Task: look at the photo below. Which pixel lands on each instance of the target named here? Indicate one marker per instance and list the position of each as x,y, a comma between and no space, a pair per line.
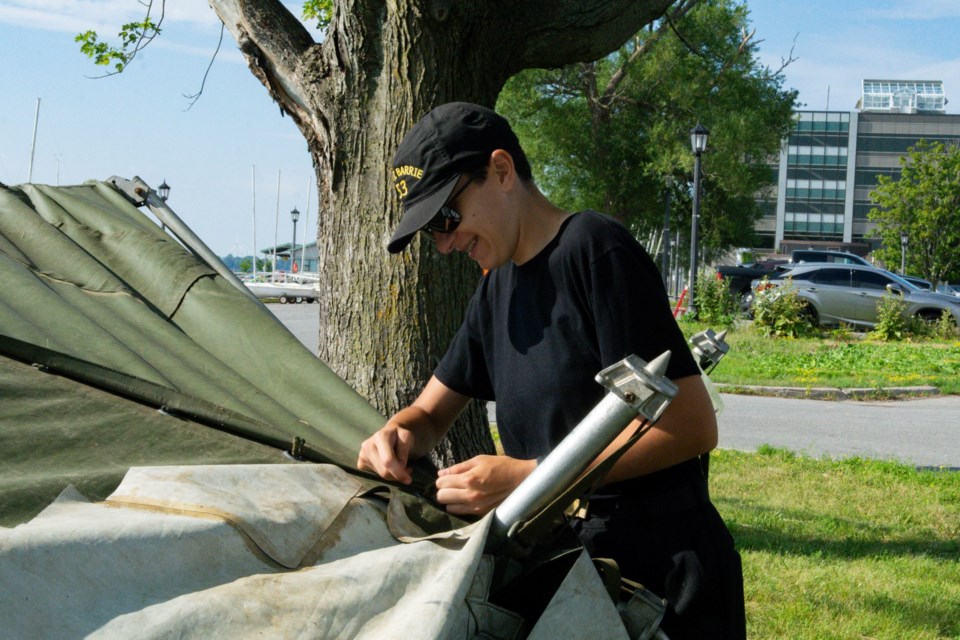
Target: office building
830,163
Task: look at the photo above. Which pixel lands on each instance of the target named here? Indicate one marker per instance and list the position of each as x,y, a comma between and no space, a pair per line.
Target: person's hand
478,485
387,453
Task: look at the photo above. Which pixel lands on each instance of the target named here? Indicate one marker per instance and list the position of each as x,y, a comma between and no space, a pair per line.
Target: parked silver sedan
849,293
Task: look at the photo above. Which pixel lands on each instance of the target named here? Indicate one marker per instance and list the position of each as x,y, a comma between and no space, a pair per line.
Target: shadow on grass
802,533
763,529
917,613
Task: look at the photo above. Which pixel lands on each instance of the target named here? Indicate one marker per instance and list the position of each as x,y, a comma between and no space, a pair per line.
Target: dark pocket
684,582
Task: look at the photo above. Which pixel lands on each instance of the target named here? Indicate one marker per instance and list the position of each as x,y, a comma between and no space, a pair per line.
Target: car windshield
905,283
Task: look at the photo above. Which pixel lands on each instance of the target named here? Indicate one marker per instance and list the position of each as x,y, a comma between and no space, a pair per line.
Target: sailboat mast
306,220
253,187
276,230
33,145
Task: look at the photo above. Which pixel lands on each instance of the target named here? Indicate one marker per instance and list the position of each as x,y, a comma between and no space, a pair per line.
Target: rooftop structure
903,96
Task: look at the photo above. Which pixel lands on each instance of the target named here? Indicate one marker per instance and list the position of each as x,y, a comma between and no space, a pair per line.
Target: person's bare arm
412,432
687,428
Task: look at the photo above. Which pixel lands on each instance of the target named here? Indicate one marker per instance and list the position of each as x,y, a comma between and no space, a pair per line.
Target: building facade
830,163
305,254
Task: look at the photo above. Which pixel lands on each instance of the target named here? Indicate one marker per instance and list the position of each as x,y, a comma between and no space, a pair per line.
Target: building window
813,224
829,156
822,121
816,189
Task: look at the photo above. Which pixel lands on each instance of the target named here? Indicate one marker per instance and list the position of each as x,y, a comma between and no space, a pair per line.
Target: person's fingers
459,468
386,453
461,501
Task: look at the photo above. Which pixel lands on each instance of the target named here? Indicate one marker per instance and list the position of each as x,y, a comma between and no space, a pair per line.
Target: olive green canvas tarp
92,289
146,411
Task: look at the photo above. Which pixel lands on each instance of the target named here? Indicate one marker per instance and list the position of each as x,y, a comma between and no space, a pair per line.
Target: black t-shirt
535,335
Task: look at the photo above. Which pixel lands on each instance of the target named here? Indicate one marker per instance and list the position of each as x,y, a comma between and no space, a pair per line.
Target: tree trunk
386,320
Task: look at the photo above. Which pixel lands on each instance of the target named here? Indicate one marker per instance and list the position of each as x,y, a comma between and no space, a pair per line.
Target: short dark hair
520,162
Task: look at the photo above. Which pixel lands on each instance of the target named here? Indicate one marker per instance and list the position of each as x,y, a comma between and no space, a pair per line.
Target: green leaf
319,10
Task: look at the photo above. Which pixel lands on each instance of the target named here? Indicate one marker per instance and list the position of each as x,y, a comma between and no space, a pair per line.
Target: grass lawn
840,360
842,549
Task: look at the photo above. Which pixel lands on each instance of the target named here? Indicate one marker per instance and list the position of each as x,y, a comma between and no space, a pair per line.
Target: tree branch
784,62
680,37
142,32
677,13
744,41
273,41
196,96
555,33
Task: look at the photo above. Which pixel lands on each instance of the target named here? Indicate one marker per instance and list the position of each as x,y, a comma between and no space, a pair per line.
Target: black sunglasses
447,218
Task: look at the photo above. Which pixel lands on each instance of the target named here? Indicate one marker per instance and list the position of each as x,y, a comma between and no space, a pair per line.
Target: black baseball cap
447,141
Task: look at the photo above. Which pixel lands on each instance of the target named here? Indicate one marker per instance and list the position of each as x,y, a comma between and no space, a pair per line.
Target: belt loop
579,509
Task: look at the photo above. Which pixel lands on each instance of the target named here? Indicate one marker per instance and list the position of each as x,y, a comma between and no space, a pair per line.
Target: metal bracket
641,385
709,347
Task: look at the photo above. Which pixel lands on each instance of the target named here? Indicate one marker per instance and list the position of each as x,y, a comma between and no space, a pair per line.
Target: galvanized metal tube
565,463
140,192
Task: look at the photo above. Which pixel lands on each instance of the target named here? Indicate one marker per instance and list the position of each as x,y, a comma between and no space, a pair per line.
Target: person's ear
502,169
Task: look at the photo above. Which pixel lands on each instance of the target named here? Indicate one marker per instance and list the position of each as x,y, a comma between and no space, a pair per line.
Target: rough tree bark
386,320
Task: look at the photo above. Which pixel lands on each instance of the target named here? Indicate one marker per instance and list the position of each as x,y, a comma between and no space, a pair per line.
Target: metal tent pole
140,193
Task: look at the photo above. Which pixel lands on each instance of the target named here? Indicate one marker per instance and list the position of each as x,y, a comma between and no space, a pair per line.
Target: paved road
303,321
924,432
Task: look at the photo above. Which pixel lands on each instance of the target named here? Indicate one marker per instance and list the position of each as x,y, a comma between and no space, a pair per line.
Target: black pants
675,543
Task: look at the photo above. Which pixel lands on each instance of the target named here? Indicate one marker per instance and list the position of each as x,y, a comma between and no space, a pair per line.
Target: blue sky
137,123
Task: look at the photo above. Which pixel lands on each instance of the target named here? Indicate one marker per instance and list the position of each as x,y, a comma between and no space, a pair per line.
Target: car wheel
931,316
810,313
284,299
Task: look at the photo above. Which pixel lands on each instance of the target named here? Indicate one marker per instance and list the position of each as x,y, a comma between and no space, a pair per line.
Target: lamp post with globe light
698,142
294,215
164,192
904,239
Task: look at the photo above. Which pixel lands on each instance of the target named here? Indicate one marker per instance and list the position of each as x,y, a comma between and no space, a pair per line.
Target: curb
832,393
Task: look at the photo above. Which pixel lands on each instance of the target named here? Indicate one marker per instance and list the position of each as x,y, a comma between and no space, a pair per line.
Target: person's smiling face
487,231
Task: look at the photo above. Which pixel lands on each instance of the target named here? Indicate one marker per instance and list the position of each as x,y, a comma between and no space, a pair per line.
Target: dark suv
817,255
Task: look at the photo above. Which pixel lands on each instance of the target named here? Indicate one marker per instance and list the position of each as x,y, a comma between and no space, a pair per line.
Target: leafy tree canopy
925,203
607,134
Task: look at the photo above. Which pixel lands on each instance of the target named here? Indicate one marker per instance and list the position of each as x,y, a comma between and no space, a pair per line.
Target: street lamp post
665,242
904,238
698,142
294,215
164,192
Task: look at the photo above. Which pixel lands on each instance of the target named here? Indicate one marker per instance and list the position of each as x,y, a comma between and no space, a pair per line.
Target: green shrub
893,323
892,320
945,328
716,305
779,311
842,333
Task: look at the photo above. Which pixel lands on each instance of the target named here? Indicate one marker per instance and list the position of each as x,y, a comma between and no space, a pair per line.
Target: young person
565,295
